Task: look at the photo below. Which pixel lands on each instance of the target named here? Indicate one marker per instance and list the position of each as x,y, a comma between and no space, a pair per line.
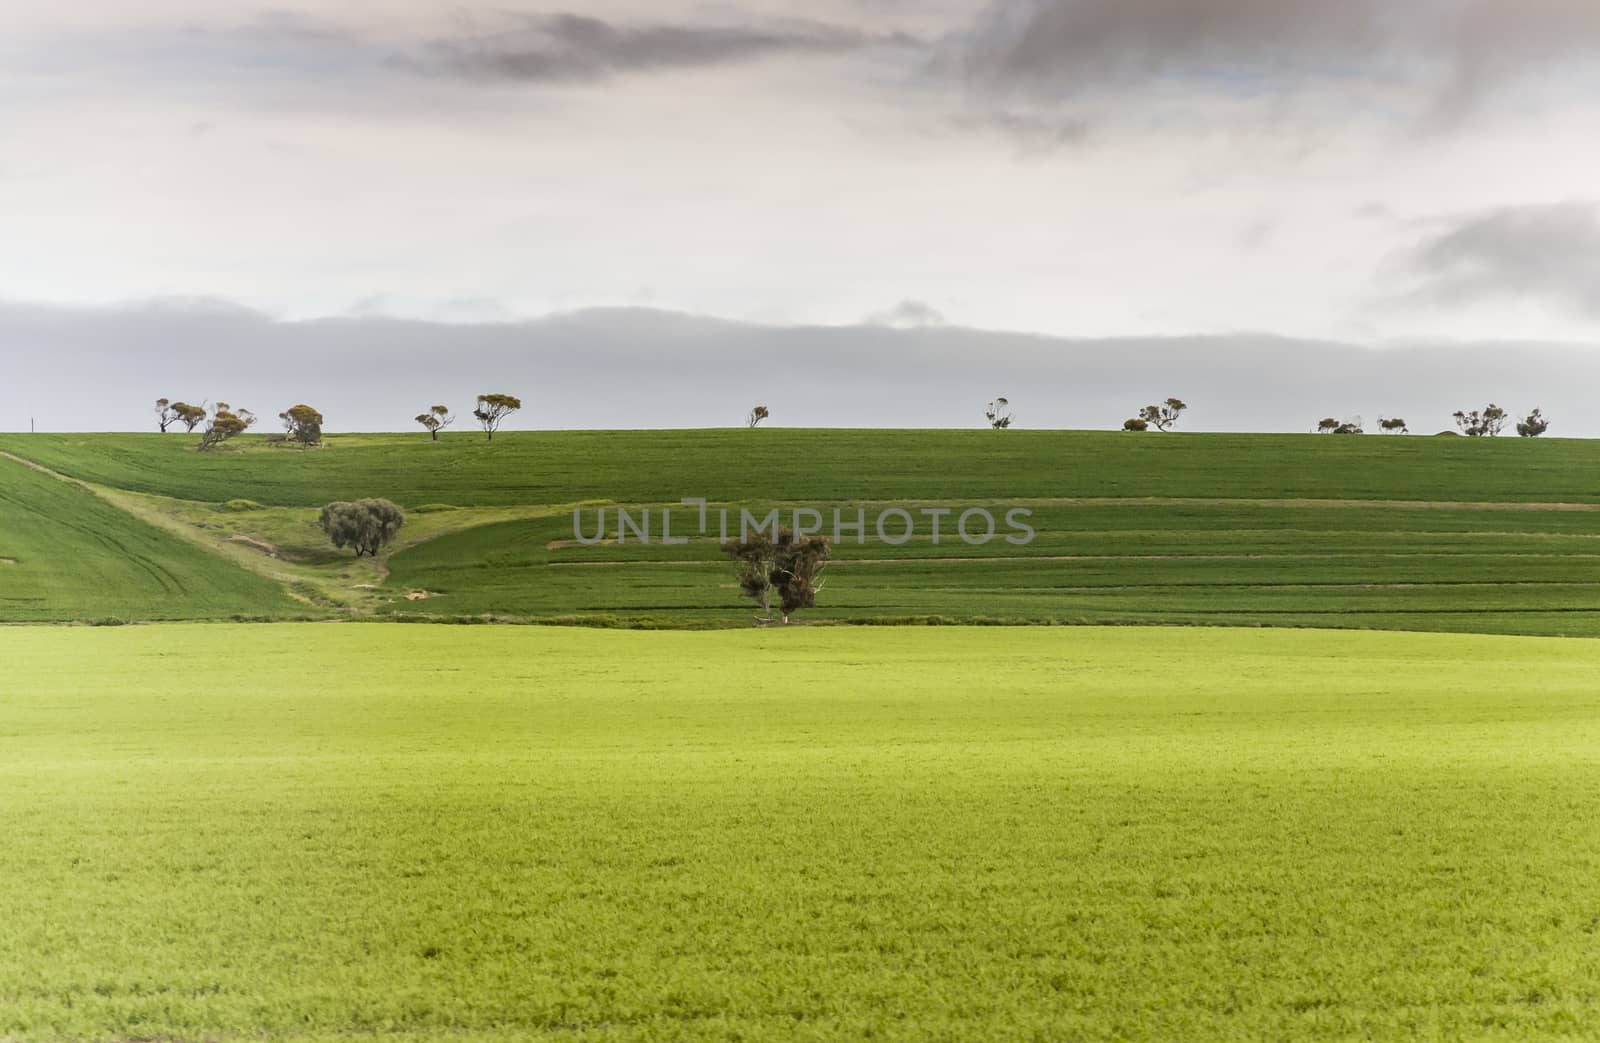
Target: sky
1335,178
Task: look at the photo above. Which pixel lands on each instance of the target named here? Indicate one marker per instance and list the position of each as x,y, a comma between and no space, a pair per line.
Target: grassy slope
778,464
1431,569
67,555
511,833
1376,551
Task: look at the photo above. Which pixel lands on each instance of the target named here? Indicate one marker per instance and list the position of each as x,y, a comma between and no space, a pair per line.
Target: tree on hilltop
1481,423
758,414
366,526
493,409
999,414
1534,425
1393,426
302,424
189,416
1162,417
436,419
1136,424
225,424
166,416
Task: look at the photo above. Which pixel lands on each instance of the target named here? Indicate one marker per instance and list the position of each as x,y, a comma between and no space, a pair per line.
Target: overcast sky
1361,171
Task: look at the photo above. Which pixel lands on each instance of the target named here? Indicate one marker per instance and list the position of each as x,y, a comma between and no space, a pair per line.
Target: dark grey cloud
688,371
1549,254
1440,55
576,48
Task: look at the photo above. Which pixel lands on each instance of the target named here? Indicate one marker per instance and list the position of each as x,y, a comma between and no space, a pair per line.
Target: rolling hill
1393,533
66,554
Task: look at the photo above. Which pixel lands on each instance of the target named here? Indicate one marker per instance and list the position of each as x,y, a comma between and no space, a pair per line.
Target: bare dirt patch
8,561
269,549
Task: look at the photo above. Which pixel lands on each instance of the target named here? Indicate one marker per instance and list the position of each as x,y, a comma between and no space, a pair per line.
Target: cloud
1440,56
1548,253
1033,134
1257,233
909,314
691,371
574,48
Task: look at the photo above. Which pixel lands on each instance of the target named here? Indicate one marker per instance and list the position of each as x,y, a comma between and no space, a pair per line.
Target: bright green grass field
319,832
66,554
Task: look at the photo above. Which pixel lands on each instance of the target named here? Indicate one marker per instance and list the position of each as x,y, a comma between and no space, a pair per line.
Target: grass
70,555
1356,565
313,832
1469,535
742,466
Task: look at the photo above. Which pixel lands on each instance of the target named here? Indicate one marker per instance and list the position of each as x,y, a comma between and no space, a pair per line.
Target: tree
1484,423
366,526
303,424
1393,426
166,416
999,414
492,409
189,416
1330,426
1534,426
1136,424
1164,415
225,424
787,567
758,414
436,419
1327,425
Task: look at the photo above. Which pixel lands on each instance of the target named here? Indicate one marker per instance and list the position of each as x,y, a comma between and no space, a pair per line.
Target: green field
66,554
312,832
304,831
1435,534
796,464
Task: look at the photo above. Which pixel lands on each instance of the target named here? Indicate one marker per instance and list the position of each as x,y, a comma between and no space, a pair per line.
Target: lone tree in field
367,526
303,424
787,567
436,419
999,414
189,416
492,409
1393,426
1484,423
1534,425
1136,424
758,414
166,416
225,424
1165,415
